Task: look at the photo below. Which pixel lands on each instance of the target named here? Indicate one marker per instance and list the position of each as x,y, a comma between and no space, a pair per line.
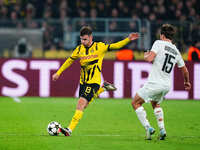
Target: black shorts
88,91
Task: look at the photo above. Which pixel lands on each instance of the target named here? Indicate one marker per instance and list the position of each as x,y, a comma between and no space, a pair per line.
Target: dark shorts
88,91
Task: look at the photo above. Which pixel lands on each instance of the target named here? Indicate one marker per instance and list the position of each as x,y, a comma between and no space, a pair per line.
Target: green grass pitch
107,124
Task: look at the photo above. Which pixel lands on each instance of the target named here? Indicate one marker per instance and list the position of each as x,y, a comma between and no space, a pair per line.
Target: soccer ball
53,127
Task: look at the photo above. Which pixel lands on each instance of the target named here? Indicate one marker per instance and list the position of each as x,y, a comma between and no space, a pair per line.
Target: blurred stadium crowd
181,10
34,14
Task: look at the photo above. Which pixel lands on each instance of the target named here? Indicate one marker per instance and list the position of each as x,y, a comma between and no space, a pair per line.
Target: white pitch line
16,99
102,135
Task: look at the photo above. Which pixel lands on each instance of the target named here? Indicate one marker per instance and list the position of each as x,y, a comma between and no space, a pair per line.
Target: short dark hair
86,30
168,31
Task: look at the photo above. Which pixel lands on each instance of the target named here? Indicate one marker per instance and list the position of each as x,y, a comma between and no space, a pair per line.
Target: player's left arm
122,43
185,73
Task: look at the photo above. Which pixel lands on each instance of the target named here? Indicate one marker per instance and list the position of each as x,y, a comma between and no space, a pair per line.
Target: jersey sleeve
69,61
115,46
119,44
156,47
75,53
103,46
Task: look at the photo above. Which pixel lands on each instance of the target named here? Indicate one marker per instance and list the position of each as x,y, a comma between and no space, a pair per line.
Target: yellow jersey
91,59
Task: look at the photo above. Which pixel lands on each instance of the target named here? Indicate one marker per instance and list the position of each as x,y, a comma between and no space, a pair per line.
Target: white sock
141,113
158,112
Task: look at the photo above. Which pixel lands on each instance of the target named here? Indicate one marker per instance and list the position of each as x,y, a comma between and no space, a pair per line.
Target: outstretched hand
55,77
133,36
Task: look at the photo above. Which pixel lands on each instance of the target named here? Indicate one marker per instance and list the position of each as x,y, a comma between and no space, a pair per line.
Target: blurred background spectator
56,19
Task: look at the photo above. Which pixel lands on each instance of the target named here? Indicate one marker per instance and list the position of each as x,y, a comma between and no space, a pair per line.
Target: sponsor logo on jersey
88,57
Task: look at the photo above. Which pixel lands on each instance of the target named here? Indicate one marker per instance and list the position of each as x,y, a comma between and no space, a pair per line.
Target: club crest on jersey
92,51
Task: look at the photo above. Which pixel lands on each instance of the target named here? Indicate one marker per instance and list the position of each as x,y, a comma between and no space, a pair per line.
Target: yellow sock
100,91
75,119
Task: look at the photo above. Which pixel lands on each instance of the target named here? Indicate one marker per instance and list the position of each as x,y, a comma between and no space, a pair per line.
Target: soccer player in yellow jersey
90,55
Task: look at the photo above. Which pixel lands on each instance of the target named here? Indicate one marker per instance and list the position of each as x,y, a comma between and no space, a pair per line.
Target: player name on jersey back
170,50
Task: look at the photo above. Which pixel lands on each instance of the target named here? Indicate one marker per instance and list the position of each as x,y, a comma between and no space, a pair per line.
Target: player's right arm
149,56
66,64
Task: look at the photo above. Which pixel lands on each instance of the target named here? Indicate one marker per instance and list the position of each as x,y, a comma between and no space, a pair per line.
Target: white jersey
167,55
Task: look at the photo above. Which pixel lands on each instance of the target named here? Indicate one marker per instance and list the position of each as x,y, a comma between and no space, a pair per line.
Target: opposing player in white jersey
164,56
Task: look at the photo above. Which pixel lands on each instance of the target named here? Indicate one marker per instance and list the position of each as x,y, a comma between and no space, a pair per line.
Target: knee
85,106
135,104
82,104
155,105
